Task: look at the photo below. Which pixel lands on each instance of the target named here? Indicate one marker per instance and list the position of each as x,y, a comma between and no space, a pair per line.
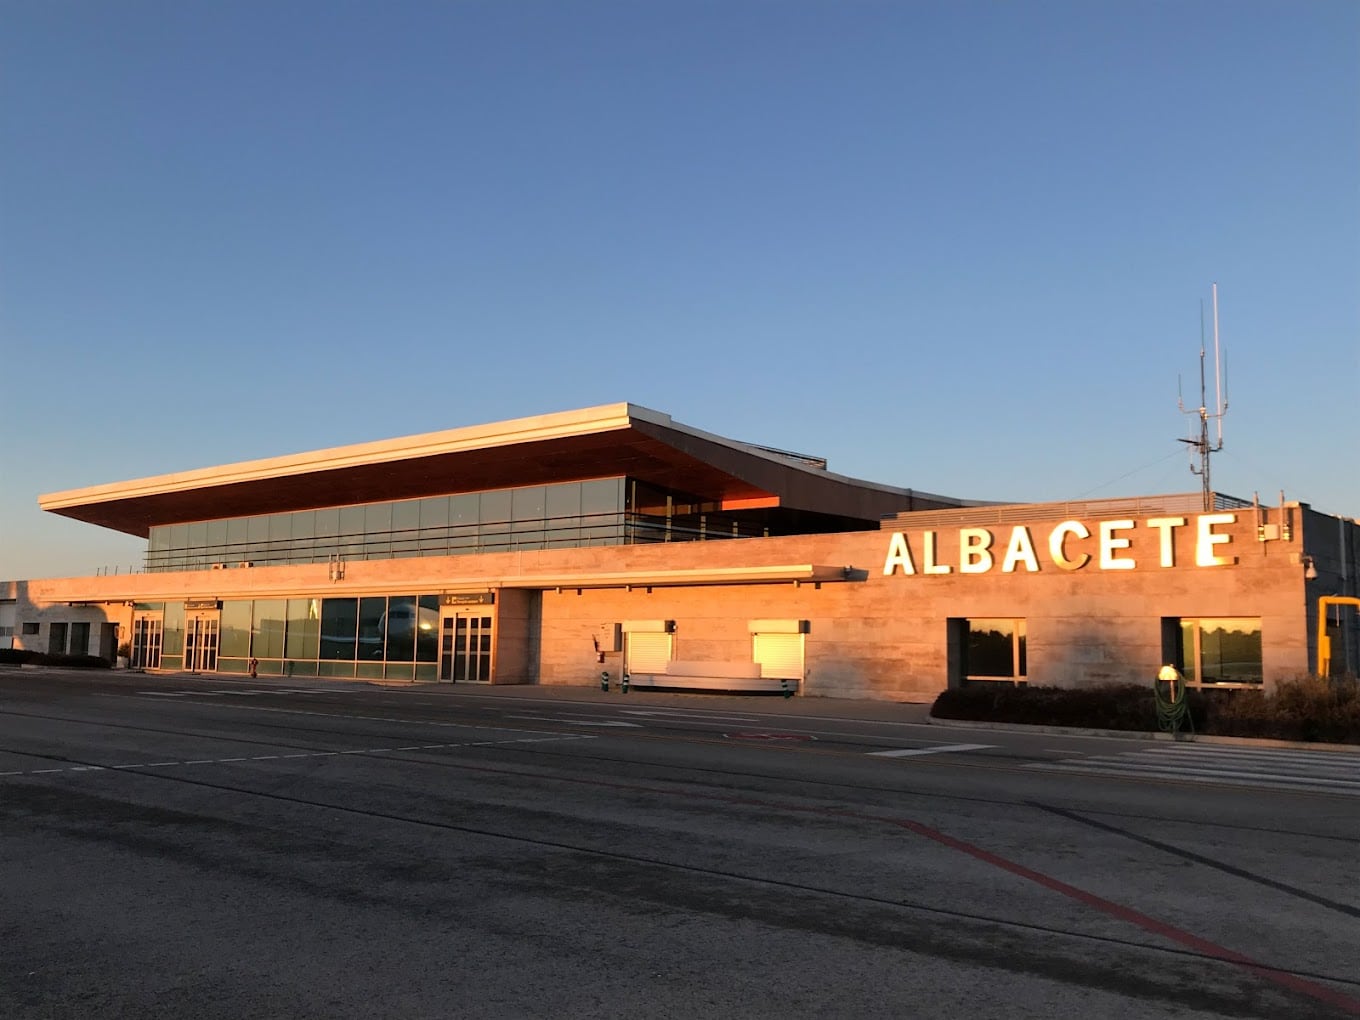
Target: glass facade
373,637
607,511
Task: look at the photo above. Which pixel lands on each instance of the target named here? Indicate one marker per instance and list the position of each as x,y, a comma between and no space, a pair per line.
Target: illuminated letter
930,566
1055,544
1108,544
1021,550
974,557
899,555
1204,546
1167,525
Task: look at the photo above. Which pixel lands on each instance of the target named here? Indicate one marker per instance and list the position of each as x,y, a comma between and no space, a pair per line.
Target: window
987,649
31,628
1215,651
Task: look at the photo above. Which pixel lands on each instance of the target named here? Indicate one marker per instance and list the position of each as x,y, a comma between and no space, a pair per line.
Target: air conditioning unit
219,566
245,563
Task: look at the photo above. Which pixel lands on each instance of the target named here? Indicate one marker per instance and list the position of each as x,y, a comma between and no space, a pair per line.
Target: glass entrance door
200,643
465,649
146,642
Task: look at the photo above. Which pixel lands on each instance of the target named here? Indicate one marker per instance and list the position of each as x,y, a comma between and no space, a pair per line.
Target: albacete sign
1070,545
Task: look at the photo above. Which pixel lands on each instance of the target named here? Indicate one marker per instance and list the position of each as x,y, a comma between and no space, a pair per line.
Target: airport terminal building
552,549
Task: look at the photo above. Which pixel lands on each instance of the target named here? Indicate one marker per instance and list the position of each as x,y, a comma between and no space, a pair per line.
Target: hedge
1308,709
25,656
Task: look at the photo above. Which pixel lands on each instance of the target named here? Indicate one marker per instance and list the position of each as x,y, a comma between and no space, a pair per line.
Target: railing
452,540
1021,513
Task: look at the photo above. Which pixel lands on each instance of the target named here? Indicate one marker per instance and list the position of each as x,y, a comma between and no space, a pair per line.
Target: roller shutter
780,655
648,653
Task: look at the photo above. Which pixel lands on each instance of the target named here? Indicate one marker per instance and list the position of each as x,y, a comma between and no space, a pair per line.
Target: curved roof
597,442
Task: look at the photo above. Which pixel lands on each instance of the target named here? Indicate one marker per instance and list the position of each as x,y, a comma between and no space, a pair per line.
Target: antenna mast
1202,444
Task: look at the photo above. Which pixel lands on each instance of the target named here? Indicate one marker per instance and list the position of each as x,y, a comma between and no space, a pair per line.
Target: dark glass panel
372,626
339,623
465,513
562,513
991,648
401,628
427,629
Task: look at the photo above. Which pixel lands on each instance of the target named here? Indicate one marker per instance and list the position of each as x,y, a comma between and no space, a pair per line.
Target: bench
716,676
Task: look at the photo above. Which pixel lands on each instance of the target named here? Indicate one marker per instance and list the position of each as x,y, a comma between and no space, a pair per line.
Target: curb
1184,738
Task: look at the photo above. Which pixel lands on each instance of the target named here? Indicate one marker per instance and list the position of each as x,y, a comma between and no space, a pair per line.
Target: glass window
494,530
238,538
235,638
377,531
339,623
995,649
304,628
172,640
257,531
372,627
465,513
80,639
427,629
1221,650
352,532
562,510
401,628
267,634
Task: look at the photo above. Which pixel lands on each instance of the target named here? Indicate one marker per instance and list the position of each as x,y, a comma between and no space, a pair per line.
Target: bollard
624,683
604,680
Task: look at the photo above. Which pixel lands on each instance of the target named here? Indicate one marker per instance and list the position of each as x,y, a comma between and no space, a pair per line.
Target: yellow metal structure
1324,643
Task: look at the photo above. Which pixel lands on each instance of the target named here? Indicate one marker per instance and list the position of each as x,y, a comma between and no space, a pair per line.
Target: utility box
609,637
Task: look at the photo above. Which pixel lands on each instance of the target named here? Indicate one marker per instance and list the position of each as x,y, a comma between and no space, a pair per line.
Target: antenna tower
1201,444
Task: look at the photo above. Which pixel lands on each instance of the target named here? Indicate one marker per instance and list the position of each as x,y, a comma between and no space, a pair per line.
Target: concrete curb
1183,738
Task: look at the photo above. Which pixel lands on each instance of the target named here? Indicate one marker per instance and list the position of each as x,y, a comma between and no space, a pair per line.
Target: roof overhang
599,442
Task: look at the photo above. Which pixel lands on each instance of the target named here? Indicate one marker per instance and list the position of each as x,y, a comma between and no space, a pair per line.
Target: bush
15,656
1302,710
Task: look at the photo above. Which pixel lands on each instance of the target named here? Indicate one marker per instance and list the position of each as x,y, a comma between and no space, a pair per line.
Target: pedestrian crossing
1336,772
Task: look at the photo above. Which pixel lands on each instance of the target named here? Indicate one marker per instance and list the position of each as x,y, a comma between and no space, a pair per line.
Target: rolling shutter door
648,653
780,655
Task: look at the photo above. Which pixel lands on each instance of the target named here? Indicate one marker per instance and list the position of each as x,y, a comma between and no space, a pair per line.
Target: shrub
15,656
1303,710
72,661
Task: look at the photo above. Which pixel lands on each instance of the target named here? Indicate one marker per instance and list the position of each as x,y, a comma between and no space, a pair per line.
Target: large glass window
235,634
995,650
1218,651
372,628
304,628
267,634
339,625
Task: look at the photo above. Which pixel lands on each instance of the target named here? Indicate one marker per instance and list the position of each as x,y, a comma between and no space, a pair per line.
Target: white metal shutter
648,653
780,655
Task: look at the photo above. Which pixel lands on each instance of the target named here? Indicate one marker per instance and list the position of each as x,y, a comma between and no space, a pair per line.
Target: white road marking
306,754
917,751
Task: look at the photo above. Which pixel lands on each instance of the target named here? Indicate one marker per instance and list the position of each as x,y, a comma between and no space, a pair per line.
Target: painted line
916,751
305,754
1312,989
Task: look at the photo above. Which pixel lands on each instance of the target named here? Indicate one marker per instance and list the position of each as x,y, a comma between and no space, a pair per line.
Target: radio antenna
1202,445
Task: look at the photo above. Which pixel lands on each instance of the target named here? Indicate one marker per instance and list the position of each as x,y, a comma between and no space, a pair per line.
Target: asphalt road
201,848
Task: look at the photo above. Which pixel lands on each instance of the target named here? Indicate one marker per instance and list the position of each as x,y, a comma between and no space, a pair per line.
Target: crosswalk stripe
1319,771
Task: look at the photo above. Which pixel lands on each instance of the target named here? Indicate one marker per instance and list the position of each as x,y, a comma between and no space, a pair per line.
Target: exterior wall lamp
1309,569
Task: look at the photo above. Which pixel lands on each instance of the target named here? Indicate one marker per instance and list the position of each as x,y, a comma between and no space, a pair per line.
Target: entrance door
465,649
146,642
200,642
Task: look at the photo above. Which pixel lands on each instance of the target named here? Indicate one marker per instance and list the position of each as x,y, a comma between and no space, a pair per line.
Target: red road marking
1168,931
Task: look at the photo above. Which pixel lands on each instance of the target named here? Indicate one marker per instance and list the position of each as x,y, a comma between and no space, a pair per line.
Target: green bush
1302,710
15,656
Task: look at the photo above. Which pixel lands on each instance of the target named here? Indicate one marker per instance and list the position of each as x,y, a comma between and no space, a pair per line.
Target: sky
952,246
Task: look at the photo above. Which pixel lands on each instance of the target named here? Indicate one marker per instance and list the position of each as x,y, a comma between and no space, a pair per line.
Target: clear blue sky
953,246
